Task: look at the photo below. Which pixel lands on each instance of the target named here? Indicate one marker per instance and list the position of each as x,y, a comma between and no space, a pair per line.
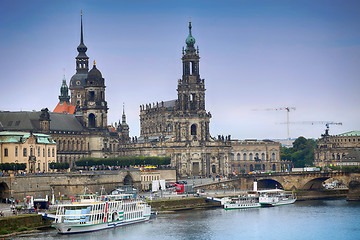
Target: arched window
92,122
193,129
238,157
263,156
273,156
232,157
250,156
244,156
256,156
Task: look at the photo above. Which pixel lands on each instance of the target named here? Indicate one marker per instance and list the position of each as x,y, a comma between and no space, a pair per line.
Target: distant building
179,128
36,150
330,150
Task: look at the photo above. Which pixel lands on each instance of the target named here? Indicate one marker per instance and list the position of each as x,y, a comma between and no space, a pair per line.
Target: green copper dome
190,40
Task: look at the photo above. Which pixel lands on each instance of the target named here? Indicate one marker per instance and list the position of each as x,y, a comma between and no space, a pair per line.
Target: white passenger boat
275,197
94,213
243,202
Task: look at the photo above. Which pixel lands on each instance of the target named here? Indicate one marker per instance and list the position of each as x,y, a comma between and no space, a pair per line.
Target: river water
328,219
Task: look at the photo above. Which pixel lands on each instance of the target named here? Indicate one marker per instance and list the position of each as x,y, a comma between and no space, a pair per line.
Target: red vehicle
179,188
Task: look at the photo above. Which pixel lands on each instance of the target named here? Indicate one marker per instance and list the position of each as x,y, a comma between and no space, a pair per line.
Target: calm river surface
328,219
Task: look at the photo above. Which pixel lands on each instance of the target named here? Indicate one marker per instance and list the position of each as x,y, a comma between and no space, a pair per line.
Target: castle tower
64,105
77,82
95,107
123,128
190,105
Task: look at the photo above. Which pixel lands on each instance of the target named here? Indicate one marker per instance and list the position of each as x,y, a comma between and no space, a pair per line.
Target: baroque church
178,128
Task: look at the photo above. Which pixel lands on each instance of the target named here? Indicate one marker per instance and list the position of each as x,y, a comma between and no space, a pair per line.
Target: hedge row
56,165
122,161
12,166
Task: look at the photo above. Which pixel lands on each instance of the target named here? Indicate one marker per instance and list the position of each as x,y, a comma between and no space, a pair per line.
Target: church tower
191,121
95,107
64,105
77,82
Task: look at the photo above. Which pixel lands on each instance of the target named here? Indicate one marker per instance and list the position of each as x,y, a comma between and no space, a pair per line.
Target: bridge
65,184
306,181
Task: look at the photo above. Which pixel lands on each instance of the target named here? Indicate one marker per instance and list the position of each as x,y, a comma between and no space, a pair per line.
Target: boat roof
271,190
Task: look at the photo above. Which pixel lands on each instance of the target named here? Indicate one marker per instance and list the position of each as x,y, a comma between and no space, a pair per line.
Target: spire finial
82,38
94,63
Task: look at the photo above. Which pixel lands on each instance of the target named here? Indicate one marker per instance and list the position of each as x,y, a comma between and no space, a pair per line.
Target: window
232,157
273,156
43,152
250,156
6,152
48,152
24,152
53,152
244,156
38,151
31,152
193,129
238,156
263,156
16,151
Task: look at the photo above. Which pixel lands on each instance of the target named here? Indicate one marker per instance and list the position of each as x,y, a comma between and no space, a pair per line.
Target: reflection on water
332,219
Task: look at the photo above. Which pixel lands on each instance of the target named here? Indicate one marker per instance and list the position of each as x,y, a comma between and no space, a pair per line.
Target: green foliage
56,165
12,166
301,154
122,161
4,232
21,229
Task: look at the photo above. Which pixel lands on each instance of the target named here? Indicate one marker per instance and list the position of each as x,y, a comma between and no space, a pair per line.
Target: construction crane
326,123
288,109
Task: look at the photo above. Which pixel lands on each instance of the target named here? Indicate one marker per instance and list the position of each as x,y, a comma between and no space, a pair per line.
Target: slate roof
29,121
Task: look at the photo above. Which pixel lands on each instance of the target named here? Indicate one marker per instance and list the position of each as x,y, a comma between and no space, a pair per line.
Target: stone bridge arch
4,191
128,180
268,183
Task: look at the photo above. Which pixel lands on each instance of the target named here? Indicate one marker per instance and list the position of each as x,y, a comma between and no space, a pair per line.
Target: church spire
64,92
123,115
82,35
82,64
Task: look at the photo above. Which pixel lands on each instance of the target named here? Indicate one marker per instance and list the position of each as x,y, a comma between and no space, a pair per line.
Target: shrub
21,229
3,232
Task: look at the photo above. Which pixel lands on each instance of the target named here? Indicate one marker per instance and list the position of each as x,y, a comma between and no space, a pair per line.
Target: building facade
34,149
331,149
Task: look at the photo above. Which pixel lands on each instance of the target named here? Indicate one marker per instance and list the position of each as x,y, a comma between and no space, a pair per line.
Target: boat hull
68,228
279,203
230,206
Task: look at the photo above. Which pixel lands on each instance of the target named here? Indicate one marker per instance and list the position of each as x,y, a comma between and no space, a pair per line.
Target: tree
301,154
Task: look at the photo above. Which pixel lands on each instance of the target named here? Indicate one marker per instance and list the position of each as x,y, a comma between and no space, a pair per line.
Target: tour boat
94,213
275,197
243,202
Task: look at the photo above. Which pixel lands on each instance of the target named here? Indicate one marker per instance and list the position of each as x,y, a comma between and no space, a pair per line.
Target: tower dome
190,40
94,77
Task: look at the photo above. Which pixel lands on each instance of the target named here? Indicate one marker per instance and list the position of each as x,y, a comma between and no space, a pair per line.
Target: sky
256,57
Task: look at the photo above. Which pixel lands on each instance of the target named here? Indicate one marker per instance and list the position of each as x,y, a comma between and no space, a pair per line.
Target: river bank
33,222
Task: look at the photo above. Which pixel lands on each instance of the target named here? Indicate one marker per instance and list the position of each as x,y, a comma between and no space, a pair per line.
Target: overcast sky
255,55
